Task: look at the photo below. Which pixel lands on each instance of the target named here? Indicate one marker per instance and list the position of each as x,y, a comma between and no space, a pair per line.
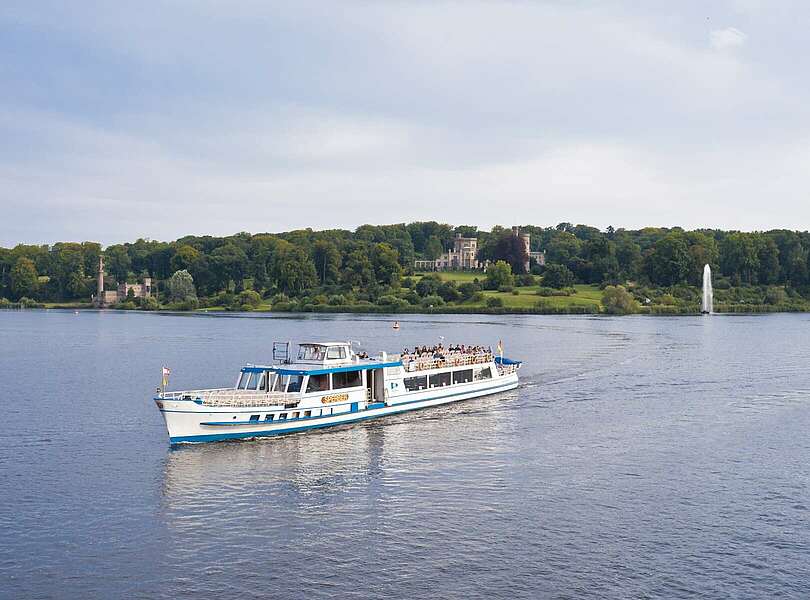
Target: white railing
233,397
506,369
450,360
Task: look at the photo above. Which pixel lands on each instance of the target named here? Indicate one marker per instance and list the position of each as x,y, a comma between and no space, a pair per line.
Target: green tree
668,262
562,248
616,300
180,287
494,302
249,299
469,289
738,258
429,285
601,263
357,269
261,251
558,276
703,251
117,262
433,248
294,270
185,258
24,281
775,296
229,263
449,292
511,249
499,275
431,301
68,270
628,256
386,264
327,261
768,255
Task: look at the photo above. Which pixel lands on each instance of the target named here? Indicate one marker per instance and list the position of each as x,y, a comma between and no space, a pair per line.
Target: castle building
463,257
103,298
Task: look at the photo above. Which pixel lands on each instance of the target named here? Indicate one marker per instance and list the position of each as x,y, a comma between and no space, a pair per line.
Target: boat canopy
316,370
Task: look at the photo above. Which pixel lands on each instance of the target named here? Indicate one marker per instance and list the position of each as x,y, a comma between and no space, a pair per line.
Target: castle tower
527,244
100,285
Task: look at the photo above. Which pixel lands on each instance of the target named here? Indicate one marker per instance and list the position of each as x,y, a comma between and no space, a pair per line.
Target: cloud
728,38
265,116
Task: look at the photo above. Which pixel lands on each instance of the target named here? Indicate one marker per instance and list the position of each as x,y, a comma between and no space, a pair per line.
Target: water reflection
318,468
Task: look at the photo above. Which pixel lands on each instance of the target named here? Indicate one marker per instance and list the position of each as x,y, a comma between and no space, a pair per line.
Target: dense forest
373,265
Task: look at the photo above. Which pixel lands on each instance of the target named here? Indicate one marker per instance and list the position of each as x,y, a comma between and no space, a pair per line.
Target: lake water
640,458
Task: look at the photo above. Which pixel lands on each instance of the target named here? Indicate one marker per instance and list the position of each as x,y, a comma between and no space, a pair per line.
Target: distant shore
458,310
524,297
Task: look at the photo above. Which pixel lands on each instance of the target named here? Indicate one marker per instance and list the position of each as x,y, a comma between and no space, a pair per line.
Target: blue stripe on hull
218,437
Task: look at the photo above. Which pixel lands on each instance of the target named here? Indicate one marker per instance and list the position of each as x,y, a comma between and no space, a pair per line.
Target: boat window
307,413
295,383
346,379
483,374
462,376
318,383
279,383
310,352
440,379
261,381
295,415
268,417
336,352
413,384
254,379
254,417
244,380
282,416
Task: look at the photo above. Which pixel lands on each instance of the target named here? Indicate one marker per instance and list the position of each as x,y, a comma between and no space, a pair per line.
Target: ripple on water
642,458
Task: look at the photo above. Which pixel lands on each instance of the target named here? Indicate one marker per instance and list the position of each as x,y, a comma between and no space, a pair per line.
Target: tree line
377,261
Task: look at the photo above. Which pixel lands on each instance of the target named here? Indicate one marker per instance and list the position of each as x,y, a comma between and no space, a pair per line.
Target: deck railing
450,360
507,369
233,397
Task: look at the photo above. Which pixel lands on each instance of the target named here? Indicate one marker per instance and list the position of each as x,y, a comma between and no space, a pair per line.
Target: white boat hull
190,422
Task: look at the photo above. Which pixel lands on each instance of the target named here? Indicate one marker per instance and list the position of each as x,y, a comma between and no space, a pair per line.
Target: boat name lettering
334,398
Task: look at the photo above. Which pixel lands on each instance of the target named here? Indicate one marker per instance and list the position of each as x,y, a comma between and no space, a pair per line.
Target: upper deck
323,366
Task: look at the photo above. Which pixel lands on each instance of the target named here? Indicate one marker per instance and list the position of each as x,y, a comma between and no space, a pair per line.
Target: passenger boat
329,384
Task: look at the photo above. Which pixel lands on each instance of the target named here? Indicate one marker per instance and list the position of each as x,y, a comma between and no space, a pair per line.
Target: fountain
707,302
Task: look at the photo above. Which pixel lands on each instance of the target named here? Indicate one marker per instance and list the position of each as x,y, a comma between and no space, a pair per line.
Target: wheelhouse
324,353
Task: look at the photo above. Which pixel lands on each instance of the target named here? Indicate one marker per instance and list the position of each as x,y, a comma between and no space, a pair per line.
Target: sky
121,120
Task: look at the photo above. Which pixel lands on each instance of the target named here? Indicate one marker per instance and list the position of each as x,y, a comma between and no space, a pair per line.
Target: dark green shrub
432,300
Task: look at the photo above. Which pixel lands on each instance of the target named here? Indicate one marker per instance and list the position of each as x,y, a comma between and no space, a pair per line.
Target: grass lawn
67,305
587,295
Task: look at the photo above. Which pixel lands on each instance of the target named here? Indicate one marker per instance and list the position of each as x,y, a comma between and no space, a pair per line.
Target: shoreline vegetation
583,270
